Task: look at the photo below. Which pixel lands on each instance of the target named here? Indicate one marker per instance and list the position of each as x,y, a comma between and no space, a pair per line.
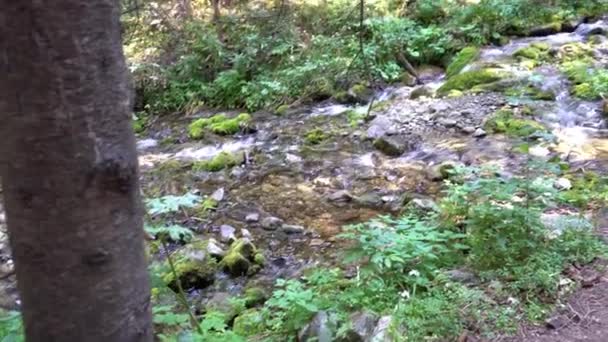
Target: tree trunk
70,173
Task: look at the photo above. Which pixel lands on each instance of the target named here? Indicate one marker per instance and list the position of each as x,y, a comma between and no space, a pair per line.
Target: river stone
379,127
195,266
468,129
292,229
271,223
424,204
447,122
479,133
362,327
320,329
218,195
252,218
394,145
227,233
370,200
440,171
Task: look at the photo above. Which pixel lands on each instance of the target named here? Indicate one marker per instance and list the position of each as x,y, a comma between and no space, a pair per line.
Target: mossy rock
461,60
575,52
194,267
504,121
470,79
224,160
455,93
546,29
408,79
249,322
281,110
239,258
219,124
380,106
537,52
361,93
585,91
254,296
532,92
344,97
316,136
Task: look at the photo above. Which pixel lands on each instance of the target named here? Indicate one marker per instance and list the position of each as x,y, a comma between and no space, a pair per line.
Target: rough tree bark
69,168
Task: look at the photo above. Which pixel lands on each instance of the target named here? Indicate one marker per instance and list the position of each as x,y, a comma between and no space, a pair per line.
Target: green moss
573,52
281,110
315,136
224,160
532,92
255,296
504,121
469,79
218,124
249,323
194,267
454,93
461,60
343,97
259,259
361,93
537,52
354,117
584,91
231,126
238,259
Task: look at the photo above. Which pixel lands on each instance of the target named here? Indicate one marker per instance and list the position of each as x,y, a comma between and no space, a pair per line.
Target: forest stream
316,168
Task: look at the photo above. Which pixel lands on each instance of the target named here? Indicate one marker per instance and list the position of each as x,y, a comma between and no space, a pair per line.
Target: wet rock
370,200
292,229
379,127
447,122
394,145
421,91
252,218
271,223
440,107
362,327
227,233
468,129
146,144
239,258
382,332
462,276
563,184
320,329
545,30
340,196
361,93
479,133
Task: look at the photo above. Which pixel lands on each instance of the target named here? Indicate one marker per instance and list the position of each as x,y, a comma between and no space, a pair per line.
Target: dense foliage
262,54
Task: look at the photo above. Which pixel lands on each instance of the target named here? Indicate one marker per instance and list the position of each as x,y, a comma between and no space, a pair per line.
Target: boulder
392,145
239,258
421,91
361,93
195,267
382,331
379,127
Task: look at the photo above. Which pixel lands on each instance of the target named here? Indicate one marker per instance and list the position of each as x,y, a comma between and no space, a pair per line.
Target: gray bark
70,174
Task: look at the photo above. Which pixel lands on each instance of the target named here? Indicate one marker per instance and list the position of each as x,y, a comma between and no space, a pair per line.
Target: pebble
271,223
292,229
245,233
479,132
227,233
252,218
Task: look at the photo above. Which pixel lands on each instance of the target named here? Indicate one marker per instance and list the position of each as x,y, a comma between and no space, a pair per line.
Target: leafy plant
173,232
169,204
11,327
